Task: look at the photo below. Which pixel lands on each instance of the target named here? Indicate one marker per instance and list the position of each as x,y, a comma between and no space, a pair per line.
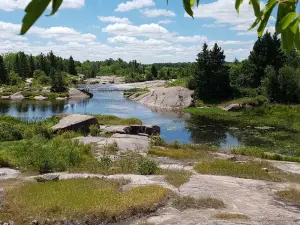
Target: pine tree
3,72
24,66
212,75
72,67
32,66
154,71
43,64
17,64
266,51
53,61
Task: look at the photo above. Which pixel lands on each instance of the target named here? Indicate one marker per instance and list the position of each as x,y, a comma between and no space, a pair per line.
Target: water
174,125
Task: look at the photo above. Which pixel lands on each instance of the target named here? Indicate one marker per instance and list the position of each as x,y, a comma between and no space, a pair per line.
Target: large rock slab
125,142
17,96
132,129
40,98
169,98
7,173
75,122
77,94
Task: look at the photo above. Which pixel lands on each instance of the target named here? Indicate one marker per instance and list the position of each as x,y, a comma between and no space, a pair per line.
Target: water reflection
174,125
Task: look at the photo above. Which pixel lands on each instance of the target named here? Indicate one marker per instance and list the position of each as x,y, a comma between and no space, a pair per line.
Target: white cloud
195,38
165,21
113,19
230,42
134,4
10,5
157,13
133,40
146,30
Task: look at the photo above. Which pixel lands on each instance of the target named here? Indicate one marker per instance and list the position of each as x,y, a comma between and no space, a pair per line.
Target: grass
291,195
114,120
254,101
248,170
94,200
49,95
187,202
286,117
176,153
137,91
231,216
177,82
177,177
264,153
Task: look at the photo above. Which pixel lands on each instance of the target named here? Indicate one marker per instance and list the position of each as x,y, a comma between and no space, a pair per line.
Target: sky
146,30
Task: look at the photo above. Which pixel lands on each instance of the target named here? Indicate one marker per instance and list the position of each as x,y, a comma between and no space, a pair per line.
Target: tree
72,67
32,66
52,60
212,75
23,65
43,64
17,64
154,71
58,83
283,86
3,72
266,51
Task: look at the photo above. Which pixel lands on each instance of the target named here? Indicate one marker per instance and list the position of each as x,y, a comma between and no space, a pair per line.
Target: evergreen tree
43,64
52,60
72,67
3,72
212,75
17,64
58,83
266,51
154,71
32,66
24,66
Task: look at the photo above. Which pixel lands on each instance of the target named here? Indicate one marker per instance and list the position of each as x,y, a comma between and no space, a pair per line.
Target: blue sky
146,30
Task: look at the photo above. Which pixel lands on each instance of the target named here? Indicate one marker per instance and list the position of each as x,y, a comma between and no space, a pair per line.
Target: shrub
94,130
14,79
187,202
146,166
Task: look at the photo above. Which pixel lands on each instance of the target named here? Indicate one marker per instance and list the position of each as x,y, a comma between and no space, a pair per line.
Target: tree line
267,71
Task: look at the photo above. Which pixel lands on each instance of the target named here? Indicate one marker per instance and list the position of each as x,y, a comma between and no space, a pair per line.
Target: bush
41,78
284,86
146,166
94,130
14,79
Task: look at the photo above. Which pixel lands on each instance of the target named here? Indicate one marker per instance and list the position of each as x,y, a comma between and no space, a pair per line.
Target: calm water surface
174,125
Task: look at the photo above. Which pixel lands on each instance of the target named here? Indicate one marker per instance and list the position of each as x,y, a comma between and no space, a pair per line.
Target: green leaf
287,38
198,1
286,21
297,39
283,10
264,21
33,11
270,5
188,8
55,6
255,23
256,7
237,5
294,25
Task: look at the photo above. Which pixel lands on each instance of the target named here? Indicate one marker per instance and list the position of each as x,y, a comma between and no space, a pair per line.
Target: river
174,125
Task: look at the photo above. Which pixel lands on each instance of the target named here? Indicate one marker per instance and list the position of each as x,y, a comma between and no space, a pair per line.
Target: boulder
75,122
125,142
168,98
47,177
5,97
17,96
40,97
143,130
233,107
61,98
77,94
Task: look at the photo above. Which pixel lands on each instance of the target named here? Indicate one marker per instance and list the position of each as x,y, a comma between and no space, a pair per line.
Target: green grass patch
176,153
248,170
177,177
94,200
114,120
264,153
231,216
254,101
137,91
177,82
285,117
291,195
187,202
49,95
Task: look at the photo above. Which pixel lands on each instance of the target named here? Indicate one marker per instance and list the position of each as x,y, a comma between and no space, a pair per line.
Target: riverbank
105,182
